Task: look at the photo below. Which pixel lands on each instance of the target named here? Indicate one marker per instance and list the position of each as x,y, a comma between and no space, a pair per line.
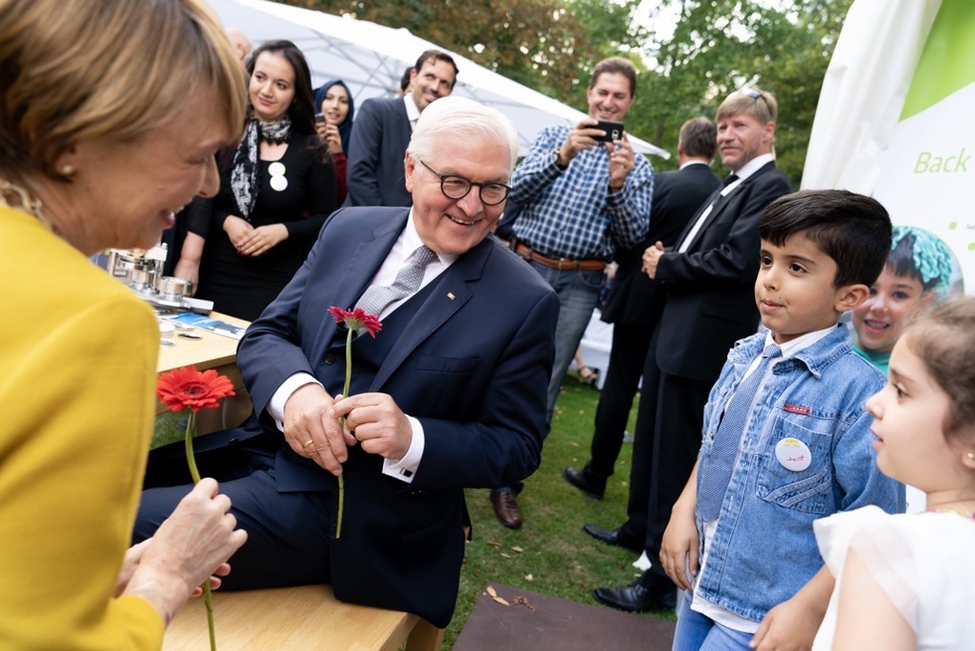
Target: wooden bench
306,618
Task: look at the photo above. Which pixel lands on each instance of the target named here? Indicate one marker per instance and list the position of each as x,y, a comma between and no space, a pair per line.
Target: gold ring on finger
308,442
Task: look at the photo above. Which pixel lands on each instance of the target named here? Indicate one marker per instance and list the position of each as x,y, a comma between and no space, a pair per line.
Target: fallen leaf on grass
518,549
529,577
503,555
494,543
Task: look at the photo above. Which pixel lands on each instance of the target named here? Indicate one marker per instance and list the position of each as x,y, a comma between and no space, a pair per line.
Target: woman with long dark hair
277,188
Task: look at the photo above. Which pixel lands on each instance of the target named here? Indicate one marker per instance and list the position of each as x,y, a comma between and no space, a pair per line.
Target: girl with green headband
916,276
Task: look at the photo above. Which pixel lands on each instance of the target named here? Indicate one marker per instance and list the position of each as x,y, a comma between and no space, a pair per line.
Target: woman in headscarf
277,189
336,110
102,139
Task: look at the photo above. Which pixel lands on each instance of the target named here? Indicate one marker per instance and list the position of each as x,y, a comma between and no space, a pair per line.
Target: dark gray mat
539,622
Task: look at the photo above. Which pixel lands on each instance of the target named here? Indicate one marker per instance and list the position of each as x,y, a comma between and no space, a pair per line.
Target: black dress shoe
578,479
634,598
613,537
506,508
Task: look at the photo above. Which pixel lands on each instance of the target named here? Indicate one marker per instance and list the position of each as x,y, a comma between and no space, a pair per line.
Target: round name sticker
276,169
793,454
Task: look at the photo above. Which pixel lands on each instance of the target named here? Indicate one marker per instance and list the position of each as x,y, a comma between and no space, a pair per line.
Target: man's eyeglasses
457,187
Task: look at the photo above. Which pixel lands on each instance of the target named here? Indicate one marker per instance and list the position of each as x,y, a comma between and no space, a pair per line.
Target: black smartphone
319,118
614,130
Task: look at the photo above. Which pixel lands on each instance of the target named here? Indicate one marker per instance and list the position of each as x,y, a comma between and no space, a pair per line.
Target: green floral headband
931,257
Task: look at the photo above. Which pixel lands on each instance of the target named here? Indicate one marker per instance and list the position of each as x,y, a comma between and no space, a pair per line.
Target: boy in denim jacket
794,447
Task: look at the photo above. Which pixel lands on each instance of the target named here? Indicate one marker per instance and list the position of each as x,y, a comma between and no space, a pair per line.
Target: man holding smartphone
583,195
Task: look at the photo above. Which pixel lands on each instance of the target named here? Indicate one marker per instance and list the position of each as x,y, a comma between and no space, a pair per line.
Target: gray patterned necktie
727,438
407,281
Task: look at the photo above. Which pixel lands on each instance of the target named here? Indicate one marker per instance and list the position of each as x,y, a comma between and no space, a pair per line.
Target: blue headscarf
345,129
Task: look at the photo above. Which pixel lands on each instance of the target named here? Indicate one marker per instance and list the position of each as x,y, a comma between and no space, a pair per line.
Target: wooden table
209,351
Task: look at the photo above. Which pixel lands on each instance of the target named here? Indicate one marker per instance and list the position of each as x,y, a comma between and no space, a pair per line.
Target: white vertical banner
895,119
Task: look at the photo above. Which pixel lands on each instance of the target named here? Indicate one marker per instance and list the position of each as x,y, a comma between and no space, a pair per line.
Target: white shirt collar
412,112
753,166
792,347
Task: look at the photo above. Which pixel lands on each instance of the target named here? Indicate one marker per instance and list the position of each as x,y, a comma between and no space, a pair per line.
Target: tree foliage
716,46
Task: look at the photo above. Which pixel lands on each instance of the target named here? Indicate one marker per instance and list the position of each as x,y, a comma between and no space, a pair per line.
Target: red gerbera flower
355,319
188,388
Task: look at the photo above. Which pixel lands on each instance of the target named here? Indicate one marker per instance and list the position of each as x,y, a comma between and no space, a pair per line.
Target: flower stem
345,394
195,473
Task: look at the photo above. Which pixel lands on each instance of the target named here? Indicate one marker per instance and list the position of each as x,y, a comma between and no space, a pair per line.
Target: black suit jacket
710,302
380,135
676,196
472,366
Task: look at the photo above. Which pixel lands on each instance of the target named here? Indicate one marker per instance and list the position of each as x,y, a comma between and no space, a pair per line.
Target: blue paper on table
202,322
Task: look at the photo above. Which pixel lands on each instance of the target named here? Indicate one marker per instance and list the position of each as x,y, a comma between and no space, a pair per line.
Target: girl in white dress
905,581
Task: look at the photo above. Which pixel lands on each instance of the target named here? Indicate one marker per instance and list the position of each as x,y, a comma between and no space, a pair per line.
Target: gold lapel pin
451,296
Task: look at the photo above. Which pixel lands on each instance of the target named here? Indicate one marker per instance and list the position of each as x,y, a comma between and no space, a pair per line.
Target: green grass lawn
550,554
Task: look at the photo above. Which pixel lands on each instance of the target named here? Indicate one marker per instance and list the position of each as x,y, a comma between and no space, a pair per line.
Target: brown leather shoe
506,508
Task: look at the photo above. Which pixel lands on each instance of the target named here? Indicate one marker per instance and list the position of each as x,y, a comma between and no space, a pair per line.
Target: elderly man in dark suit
708,278
450,394
632,308
381,133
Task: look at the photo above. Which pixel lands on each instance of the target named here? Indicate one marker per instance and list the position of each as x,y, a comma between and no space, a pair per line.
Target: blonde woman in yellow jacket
110,115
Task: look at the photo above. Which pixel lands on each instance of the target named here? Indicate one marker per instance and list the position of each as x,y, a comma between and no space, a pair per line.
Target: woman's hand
329,133
237,229
262,239
191,546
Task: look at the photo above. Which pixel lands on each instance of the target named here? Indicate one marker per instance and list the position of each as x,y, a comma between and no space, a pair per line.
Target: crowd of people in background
796,359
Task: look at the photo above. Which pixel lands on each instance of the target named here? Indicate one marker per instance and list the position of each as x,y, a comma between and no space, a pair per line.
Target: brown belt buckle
572,265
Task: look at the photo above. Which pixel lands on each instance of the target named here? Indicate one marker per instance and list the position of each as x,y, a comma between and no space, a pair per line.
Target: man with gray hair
449,394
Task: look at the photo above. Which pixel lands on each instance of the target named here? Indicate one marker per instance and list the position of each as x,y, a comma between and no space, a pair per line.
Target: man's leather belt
561,264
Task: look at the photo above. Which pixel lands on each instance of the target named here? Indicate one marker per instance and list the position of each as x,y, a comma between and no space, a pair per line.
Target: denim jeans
578,292
697,632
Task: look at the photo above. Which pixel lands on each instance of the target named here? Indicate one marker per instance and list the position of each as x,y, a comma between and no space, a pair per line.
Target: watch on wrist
557,157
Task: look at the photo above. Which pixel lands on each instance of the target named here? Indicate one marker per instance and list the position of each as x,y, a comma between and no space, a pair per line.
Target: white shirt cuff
405,468
275,406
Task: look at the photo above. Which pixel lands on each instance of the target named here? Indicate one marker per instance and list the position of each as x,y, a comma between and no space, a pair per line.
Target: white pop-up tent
371,58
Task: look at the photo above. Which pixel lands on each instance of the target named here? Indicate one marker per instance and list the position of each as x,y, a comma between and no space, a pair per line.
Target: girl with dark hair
277,188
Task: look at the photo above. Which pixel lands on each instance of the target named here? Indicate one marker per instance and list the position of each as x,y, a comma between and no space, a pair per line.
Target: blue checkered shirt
571,214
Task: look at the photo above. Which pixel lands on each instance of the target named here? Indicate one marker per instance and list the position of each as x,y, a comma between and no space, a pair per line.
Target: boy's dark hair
851,228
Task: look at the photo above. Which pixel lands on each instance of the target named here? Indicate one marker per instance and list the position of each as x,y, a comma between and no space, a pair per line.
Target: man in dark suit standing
632,308
708,278
449,394
381,133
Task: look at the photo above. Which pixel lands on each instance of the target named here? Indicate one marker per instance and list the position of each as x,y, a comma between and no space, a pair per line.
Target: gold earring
67,169
971,456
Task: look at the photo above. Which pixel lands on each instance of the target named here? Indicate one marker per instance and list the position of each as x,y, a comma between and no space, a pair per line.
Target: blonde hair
756,102
73,71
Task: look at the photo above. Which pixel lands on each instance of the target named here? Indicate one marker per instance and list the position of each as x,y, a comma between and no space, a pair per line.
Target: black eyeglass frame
470,184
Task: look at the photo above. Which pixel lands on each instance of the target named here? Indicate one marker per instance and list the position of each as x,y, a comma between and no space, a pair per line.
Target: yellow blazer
78,358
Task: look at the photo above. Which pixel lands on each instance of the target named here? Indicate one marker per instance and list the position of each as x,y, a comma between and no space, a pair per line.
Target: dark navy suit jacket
677,195
472,365
380,135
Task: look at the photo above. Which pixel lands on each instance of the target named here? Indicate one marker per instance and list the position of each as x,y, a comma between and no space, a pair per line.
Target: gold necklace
27,204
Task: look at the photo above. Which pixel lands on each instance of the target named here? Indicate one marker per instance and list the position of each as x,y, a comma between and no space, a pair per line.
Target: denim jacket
764,549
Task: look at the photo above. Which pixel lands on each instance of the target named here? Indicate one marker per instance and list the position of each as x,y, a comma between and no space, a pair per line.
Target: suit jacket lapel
361,264
452,292
721,202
